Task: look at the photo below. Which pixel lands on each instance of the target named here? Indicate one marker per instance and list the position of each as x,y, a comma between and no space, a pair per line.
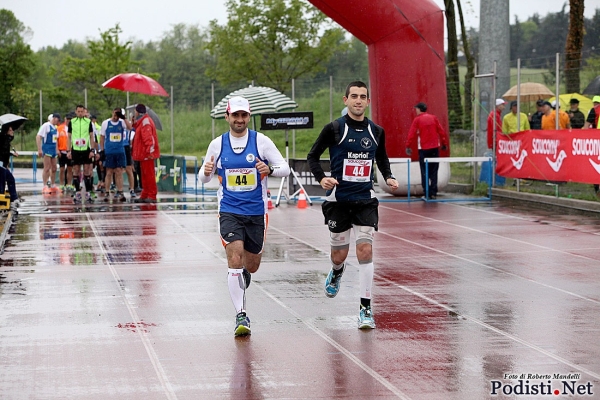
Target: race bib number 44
357,170
241,179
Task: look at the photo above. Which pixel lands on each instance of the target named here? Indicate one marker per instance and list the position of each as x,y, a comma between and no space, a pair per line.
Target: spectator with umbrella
575,115
145,149
9,123
139,83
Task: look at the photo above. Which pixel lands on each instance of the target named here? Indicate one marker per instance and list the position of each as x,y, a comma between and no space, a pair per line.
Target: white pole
293,130
127,99
518,94
172,140
41,121
475,125
212,105
85,97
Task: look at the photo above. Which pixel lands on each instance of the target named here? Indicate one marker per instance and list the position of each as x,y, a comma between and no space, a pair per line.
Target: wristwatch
271,169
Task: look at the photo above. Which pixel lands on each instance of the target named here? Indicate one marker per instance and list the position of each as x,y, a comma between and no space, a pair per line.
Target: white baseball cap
500,101
238,103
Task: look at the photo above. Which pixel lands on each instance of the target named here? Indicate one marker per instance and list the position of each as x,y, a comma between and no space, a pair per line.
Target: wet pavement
131,302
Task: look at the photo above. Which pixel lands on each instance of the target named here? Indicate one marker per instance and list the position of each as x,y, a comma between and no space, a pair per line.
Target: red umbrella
135,83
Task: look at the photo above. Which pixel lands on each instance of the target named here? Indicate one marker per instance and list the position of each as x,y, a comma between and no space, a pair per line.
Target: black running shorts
341,216
63,160
248,228
129,161
81,157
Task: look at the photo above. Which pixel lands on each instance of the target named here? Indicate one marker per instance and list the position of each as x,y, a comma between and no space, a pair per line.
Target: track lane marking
472,319
158,368
307,323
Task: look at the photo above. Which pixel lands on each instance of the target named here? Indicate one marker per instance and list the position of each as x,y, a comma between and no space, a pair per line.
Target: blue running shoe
332,283
242,324
365,318
77,198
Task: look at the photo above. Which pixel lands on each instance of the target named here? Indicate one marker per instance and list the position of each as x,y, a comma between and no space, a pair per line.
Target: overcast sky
55,22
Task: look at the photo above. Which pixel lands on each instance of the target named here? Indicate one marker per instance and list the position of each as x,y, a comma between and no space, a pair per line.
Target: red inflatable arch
405,39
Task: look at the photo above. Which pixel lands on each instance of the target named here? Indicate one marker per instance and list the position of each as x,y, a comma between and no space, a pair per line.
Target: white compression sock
365,273
336,267
237,289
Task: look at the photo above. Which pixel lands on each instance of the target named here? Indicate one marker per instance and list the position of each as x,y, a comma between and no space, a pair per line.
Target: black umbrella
152,114
593,89
11,120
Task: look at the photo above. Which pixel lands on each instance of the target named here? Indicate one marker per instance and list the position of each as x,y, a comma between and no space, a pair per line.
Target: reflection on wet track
472,301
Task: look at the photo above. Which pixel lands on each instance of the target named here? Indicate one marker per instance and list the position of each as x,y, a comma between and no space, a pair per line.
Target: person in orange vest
64,163
549,117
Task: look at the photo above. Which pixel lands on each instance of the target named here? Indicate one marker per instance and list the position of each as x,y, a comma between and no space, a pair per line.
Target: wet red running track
131,302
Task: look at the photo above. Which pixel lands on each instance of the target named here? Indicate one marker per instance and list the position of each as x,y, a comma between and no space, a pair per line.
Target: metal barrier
457,159
33,154
195,160
406,161
171,173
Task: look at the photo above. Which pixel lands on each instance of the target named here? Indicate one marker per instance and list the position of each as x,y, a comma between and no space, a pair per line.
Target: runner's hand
328,183
209,166
262,167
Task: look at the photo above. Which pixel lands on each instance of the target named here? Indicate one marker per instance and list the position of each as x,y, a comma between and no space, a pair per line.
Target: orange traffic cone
302,199
270,203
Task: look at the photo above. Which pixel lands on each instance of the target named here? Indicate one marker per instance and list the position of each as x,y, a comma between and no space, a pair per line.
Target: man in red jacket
429,134
145,149
495,115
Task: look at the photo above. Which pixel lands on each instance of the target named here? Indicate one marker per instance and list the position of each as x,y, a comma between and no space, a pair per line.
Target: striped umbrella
262,100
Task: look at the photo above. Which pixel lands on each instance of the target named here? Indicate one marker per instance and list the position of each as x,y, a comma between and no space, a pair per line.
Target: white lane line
312,327
475,320
500,236
503,215
490,267
339,347
160,372
494,329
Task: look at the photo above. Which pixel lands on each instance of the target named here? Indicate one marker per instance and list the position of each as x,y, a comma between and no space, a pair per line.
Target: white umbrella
262,100
12,120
